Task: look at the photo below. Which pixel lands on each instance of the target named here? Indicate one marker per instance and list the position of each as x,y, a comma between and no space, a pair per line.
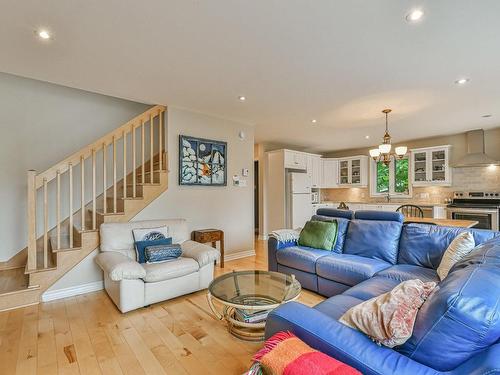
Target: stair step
65,246
13,280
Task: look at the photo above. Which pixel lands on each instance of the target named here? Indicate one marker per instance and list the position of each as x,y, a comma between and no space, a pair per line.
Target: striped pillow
162,253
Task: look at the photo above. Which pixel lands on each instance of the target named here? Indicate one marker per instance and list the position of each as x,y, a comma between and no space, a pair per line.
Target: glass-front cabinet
430,166
353,171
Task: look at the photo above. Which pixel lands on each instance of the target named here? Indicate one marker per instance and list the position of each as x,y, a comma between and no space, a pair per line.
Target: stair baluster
82,191
124,164
114,174
104,177
142,152
45,224
134,182
160,141
151,145
94,224
58,210
70,173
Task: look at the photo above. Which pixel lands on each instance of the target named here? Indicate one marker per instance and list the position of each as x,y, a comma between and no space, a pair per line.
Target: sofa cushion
424,245
379,215
300,257
333,212
461,318
348,269
403,272
336,306
118,236
370,288
319,234
169,270
342,225
374,239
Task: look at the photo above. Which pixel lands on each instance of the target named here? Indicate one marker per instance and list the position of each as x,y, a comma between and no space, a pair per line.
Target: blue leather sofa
457,330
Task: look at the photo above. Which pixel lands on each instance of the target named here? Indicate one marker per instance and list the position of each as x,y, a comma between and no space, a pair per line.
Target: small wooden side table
211,235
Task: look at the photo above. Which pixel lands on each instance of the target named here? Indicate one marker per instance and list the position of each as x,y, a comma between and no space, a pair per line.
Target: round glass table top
250,288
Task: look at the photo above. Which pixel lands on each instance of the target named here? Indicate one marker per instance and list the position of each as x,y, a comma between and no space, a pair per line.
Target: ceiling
340,62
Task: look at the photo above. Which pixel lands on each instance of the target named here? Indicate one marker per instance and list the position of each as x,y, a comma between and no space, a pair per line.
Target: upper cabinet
329,173
430,166
295,160
314,169
353,171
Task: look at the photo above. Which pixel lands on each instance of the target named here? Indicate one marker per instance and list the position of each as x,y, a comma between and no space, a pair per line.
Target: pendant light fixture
384,151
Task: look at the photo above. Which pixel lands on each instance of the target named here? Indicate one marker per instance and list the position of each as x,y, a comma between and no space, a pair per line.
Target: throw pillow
162,253
149,234
462,245
286,354
389,318
140,247
319,235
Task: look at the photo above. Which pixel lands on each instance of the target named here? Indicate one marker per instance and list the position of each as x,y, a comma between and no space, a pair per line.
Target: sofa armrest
273,245
341,342
486,362
120,267
202,253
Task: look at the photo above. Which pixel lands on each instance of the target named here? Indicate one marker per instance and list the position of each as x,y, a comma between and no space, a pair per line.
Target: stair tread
13,280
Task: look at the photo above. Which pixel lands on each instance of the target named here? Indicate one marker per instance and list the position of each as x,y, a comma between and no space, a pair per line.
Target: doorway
256,195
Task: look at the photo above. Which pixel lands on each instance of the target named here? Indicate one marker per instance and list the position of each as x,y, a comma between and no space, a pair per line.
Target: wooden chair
410,210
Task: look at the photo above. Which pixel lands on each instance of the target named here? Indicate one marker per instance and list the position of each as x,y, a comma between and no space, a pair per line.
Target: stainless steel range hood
476,156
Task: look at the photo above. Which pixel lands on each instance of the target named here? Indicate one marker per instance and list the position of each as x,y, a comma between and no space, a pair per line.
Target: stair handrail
41,180
86,151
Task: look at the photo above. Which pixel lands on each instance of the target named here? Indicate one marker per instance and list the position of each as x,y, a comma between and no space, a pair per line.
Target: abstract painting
202,161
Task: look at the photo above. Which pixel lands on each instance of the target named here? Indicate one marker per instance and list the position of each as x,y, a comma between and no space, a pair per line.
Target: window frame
392,182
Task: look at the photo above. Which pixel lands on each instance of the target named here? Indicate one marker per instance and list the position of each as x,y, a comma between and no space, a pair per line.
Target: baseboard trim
239,255
52,295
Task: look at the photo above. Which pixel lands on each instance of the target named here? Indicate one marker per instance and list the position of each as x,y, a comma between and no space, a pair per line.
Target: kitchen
458,174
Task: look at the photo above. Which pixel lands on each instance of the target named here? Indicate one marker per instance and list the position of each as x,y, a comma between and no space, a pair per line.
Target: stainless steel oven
483,207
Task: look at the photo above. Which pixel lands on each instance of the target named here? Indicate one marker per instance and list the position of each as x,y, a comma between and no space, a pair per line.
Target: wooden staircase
68,202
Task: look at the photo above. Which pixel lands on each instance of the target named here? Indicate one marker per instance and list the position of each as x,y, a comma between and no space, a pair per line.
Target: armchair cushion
202,253
169,270
119,266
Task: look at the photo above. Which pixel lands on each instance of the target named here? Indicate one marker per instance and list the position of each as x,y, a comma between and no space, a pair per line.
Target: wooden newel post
31,219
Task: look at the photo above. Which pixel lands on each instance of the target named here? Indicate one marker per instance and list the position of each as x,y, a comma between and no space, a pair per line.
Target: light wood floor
87,335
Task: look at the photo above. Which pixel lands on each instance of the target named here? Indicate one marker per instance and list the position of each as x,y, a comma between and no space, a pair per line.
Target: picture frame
202,162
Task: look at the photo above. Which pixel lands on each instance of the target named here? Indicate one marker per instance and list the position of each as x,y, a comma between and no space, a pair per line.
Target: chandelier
384,151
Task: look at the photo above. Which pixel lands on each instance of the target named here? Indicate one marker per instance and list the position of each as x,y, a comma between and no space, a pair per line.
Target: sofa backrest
333,212
118,236
462,316
379,215
424,245
374,234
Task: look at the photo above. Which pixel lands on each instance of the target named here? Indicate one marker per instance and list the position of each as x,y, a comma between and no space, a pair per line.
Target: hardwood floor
87,335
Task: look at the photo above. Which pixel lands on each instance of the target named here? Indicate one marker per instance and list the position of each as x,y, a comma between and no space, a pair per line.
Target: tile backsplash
463,179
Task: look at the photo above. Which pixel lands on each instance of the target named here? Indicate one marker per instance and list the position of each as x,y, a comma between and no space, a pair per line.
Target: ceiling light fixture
367,137
314,121
383,153
415,15
43,34
242,98
462,81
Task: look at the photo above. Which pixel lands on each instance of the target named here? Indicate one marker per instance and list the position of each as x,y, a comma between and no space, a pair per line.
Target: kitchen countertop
390,203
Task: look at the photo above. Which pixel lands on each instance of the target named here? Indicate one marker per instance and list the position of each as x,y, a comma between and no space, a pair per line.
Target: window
392,179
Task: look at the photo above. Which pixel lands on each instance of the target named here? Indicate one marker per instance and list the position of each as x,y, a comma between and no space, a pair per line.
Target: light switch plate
244,172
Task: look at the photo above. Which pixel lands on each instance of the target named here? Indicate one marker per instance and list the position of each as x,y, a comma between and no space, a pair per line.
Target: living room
235,187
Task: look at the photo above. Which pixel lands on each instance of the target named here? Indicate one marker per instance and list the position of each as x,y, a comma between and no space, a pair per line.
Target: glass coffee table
247,297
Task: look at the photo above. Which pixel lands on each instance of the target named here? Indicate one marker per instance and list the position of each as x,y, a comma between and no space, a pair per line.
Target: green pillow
319,234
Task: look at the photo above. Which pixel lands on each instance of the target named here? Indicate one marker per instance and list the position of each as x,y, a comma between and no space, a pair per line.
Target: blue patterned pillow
140,247
162,253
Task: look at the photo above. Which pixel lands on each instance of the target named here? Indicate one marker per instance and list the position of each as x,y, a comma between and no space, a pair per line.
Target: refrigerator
298,199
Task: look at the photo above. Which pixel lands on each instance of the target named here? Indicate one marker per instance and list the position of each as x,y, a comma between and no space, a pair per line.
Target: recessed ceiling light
314,121
486,116
415,15
367,137
462,81
43,34
242,98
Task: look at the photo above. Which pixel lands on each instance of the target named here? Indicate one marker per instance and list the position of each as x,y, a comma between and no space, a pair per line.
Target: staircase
110,180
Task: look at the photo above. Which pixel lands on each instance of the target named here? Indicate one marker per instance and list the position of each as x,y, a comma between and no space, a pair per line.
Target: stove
481,206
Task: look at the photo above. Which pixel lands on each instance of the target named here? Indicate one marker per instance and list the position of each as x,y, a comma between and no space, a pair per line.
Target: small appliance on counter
314,197
342,206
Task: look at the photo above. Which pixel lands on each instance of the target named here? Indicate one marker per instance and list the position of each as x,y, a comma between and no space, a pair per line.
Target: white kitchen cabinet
329,173
430,166
314,170
295,160
353,171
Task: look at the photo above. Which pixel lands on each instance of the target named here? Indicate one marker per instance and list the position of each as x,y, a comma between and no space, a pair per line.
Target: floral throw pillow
389,318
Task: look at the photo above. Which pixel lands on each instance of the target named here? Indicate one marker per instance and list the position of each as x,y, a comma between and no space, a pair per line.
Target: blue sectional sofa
457,330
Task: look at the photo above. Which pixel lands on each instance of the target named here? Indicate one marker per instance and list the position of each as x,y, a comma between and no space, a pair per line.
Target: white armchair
132,285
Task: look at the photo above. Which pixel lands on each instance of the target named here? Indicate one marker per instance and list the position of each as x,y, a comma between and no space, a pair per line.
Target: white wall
229,208
41,124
